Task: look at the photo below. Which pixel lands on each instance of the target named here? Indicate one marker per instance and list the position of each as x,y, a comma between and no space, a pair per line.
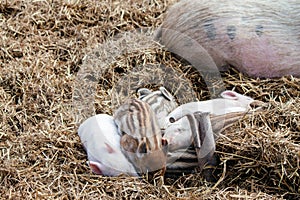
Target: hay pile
43,44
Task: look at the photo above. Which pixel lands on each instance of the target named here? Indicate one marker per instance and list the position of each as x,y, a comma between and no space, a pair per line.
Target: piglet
180,132
223,112
230,102
101,140
141,138
161,101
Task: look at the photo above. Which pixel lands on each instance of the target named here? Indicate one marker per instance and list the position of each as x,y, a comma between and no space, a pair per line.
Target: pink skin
257,56
230,102
101,140
258,38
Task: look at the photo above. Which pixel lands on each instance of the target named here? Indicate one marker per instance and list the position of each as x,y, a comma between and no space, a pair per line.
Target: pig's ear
95,167
129,143
142,92
229,95
166,93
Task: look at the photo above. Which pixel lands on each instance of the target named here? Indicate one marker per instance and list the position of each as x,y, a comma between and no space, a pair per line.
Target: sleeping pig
224,111
259,38
101,140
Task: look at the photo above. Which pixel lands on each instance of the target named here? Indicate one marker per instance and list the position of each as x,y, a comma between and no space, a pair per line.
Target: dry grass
42,46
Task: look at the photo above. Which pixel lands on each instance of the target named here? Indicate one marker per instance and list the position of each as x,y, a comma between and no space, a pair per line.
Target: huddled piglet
161,101
141,137
224,111
180,132
101,140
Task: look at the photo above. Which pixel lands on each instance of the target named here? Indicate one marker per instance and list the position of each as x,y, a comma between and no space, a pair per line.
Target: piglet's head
142,156
111,162
141,138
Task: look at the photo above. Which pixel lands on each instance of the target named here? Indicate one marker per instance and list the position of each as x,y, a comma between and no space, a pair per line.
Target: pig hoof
210,170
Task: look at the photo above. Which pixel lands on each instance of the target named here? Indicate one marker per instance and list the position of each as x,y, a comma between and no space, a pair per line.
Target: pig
202,134
161,101
258,38
101,140
141,137
180,131
223,112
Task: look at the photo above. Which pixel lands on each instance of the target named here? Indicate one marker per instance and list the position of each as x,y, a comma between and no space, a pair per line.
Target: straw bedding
43,46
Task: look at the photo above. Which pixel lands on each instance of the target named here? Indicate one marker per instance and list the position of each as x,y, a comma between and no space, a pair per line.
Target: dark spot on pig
164,142
259,30
172,120
231,32
210,29
142,148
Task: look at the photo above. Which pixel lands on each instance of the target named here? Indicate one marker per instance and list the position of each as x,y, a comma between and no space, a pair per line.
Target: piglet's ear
143,92
229,95
129,143
166,93
95,167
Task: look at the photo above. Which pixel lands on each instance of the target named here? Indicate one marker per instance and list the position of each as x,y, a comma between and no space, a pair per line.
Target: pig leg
204,139
203,136
205,146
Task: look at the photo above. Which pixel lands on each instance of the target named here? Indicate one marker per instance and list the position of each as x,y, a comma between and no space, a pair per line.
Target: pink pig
179,133
259,38
101,140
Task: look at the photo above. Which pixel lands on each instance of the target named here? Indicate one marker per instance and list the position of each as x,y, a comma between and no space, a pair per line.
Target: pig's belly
257,57
259,38
257,50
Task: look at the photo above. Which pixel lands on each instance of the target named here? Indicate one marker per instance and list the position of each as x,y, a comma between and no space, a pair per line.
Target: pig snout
258,105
